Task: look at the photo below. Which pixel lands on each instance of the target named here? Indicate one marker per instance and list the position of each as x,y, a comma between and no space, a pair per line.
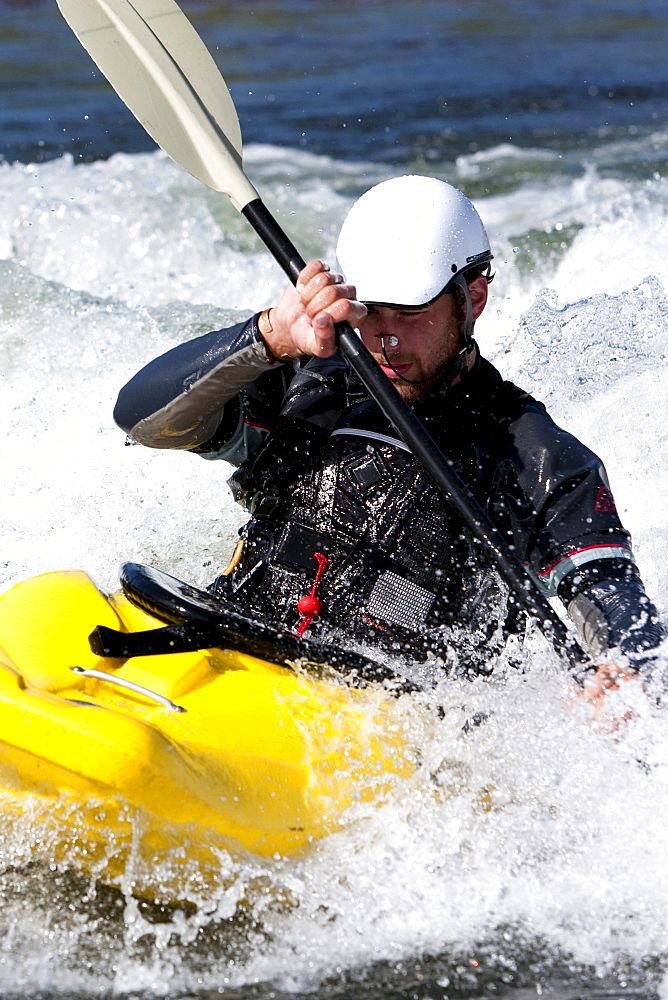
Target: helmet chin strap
460,281
458,366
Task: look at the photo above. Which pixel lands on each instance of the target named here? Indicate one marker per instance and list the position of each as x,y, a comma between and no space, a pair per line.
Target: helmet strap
461,362
467,332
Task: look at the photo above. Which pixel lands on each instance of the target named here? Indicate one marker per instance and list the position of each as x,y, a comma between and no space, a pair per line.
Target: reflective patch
400,601
372,436
605,502
550,578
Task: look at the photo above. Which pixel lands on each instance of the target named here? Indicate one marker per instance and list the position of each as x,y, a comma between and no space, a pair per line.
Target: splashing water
530,845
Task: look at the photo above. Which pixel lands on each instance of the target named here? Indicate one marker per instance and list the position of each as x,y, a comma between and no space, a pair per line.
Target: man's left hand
598,686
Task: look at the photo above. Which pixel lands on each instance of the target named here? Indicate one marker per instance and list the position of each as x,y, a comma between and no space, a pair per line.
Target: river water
553,117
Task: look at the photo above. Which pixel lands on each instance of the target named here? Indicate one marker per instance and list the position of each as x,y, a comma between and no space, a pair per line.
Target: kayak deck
249,756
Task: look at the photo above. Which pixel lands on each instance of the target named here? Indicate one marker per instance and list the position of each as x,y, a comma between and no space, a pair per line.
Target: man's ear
478,292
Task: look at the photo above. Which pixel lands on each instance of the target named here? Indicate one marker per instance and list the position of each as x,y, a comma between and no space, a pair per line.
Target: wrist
265,329
269,338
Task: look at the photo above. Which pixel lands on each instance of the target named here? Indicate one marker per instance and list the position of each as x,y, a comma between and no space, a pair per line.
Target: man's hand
303,321
598,686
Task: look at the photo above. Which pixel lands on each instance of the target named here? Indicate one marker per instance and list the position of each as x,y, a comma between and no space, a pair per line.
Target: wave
512,846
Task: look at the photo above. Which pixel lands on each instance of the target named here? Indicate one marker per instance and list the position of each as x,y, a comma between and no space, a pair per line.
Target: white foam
547,826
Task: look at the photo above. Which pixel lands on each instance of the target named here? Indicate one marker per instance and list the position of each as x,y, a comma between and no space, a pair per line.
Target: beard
415,392
428,368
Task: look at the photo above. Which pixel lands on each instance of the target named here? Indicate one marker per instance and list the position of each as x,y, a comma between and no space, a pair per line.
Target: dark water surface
361,79
510,964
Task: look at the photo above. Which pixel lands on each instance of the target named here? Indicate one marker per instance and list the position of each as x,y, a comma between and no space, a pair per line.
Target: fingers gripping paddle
159,66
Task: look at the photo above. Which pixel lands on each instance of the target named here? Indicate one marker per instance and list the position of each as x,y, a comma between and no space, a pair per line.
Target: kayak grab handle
102,675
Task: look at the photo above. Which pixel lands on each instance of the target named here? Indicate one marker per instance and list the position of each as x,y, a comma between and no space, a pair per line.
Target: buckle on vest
263,506
366,472
296,547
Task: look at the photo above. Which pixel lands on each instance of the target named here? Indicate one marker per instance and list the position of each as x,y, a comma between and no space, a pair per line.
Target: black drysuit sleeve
216,395
556,502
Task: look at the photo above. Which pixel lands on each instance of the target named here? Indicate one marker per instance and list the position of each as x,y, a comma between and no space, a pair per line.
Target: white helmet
406,239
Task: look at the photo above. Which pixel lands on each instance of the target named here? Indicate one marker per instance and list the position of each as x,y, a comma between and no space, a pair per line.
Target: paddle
159,66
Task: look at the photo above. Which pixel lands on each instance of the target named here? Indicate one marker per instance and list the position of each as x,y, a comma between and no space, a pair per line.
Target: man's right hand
303,321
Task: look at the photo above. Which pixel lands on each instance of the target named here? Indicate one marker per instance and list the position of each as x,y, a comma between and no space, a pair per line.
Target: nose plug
392,341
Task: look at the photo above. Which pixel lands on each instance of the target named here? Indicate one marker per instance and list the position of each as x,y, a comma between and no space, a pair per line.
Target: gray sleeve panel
192,418
177,401
590,623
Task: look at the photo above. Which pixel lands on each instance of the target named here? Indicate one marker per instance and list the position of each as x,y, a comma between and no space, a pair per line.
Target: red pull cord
309,606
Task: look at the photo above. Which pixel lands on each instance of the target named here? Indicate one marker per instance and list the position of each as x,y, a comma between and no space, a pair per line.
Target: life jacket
341,511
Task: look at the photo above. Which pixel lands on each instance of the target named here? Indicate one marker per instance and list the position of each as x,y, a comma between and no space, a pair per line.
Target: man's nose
377,328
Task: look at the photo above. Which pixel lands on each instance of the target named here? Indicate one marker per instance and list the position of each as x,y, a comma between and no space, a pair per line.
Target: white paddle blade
159,66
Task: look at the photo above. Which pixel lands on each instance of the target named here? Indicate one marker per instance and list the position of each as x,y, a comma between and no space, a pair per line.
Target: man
347,536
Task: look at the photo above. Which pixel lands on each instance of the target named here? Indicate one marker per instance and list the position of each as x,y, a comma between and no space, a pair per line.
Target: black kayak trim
198,620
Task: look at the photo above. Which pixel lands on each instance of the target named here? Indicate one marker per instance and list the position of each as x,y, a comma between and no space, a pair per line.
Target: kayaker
347,537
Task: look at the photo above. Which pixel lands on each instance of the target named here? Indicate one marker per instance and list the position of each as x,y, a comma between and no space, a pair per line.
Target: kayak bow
122,762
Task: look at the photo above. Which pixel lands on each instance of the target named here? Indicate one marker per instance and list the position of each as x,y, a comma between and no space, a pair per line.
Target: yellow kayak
122,764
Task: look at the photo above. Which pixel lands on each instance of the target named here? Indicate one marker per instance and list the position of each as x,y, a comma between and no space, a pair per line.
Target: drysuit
341,513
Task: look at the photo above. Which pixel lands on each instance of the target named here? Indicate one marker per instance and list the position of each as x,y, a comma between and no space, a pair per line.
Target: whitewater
542,862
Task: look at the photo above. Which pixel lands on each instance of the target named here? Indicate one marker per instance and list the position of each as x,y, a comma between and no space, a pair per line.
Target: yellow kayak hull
253,757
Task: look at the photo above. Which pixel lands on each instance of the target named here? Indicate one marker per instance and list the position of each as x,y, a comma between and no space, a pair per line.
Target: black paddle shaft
439,468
